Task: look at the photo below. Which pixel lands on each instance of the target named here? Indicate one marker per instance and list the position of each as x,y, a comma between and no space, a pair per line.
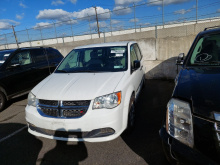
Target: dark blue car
22,69
191,130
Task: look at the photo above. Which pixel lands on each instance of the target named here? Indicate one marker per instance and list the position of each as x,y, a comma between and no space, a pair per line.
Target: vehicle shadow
150,112
65,153
21,148
164,70
17,99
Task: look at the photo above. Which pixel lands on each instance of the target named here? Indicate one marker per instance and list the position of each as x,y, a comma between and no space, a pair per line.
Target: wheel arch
129,92
2,89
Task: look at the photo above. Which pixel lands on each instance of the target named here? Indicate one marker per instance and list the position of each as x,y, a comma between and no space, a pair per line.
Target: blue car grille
63,109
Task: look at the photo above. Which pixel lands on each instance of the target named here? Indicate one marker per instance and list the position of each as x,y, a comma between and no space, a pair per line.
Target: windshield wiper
75,71
213,62
207,63
62,71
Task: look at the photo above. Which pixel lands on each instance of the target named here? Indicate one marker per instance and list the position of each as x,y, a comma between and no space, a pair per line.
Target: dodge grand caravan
90,96
21,69
191,133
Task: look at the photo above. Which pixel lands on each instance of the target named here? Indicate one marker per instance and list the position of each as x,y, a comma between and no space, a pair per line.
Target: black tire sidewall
3,101
130,127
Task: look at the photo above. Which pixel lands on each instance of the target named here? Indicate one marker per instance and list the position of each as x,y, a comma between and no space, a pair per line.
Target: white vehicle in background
90,96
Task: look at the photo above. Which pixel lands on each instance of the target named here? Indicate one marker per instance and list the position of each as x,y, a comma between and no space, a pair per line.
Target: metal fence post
156,31
111,23
196,11
6,41
97,20
15,35
72,29
41,35
55,31
90,27
163,12
28,38
63,38
134,17
104,36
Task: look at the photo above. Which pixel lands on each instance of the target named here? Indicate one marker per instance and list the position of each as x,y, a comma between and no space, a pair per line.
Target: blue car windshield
206,51
95,59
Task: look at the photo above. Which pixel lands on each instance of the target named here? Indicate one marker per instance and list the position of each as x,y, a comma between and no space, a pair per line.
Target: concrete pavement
143,146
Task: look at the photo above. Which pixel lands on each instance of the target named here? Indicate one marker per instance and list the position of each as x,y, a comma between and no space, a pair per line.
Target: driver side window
133,56
21,58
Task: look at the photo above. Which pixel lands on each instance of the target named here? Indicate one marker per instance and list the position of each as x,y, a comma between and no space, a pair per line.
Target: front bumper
181,152
93,120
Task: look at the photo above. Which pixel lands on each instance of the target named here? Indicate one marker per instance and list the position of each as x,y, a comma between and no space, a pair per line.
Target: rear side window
138,52
21,58
133,56
53,53
39,55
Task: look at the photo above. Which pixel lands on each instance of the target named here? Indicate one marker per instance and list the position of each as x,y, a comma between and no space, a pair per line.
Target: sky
28,14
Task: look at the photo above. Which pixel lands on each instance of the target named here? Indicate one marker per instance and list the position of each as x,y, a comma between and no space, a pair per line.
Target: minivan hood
77,86
200,86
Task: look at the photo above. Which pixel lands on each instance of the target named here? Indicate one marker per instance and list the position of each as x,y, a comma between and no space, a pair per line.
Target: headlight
179,121
108,101
31,99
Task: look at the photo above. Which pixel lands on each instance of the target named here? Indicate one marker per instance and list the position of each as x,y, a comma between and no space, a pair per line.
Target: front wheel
2,101
131,116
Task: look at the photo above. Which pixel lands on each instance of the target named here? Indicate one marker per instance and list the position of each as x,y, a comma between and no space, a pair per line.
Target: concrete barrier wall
160,45
159,54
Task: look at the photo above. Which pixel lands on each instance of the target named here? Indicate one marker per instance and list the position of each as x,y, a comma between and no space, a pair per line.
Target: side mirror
180,59
137,64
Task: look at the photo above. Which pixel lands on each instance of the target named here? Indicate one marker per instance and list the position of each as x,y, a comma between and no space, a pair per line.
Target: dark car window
52,54
138,52
21,58
98,59
133,56
39,55
4,55
206,51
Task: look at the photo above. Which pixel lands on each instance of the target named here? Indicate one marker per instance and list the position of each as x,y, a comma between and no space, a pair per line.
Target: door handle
33,68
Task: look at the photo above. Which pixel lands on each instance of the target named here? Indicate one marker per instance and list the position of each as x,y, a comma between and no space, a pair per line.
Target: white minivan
90,96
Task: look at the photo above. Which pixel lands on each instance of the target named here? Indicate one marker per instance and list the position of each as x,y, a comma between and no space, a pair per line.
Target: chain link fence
122,20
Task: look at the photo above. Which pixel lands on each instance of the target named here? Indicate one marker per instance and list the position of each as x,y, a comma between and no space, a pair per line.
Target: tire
144,83
2,101
131,116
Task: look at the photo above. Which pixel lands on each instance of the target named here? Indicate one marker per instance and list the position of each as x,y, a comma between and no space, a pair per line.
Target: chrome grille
62,109
50,111
49,102
73,113
76,103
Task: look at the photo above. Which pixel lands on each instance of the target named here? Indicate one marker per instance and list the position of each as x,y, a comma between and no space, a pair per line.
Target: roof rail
211,27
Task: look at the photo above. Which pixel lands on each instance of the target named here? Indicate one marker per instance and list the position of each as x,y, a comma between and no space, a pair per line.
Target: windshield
206,51
98,59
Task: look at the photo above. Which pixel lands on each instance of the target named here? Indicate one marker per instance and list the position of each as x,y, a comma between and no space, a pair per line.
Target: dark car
191,131
21,69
